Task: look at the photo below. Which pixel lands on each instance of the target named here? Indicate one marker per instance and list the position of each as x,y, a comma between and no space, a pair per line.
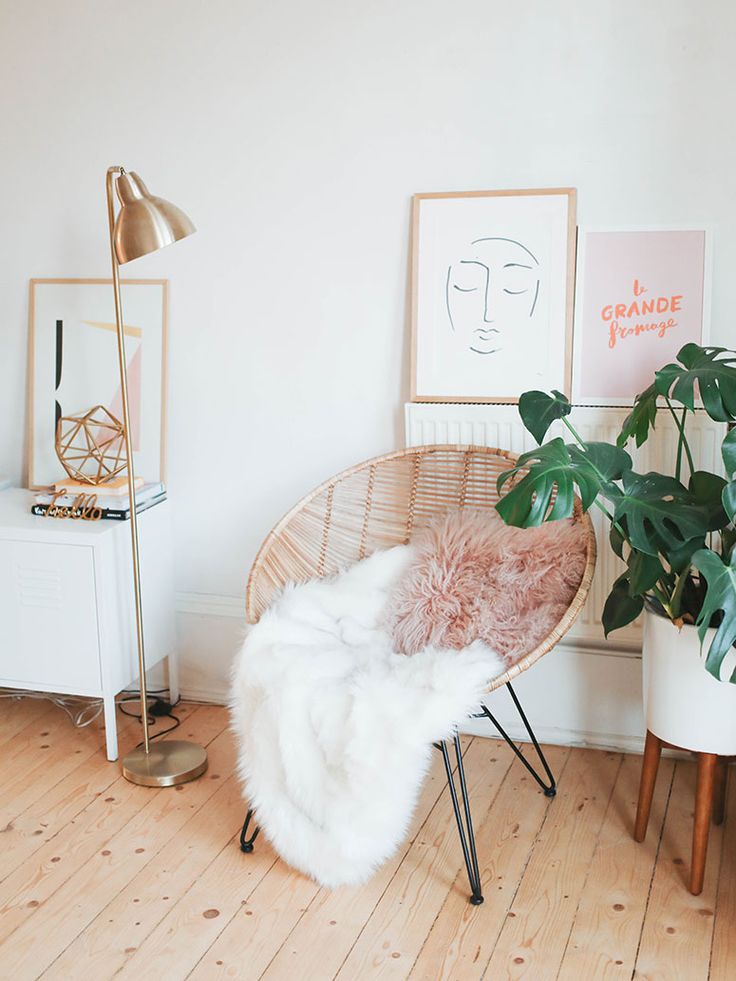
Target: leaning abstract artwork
74,367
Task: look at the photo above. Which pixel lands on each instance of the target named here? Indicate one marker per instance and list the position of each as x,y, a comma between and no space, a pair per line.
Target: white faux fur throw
335,729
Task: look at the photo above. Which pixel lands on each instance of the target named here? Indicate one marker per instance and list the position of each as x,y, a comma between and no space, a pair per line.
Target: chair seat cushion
475,578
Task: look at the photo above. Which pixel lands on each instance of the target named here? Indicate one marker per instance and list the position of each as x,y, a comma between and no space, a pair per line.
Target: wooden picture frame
88,304
527,236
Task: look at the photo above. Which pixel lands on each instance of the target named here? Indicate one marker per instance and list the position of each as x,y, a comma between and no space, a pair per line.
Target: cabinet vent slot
39,587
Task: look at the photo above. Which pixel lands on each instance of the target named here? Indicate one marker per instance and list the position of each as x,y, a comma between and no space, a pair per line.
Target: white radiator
500,426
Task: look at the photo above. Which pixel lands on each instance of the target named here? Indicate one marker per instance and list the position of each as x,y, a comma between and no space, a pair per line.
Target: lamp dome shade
145,223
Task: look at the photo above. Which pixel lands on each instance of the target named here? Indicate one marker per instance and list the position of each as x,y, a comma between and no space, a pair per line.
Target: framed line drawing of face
73,366
492,277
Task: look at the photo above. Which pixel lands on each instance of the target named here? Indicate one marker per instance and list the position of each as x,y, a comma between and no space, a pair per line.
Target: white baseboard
556,736
211,605
575,696
210,630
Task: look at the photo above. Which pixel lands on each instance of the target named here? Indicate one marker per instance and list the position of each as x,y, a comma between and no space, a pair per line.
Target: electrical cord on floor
159,709
82,712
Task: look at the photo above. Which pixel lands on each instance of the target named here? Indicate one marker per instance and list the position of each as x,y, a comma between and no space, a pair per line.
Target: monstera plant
675,532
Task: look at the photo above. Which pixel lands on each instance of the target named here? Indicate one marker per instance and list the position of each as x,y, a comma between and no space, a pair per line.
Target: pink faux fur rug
475,578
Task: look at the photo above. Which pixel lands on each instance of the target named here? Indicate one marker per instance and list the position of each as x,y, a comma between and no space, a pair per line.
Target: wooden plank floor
101,879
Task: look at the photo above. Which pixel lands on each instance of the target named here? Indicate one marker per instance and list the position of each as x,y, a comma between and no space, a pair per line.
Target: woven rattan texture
380,503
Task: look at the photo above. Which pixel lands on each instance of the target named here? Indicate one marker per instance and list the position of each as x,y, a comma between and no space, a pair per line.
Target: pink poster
641,296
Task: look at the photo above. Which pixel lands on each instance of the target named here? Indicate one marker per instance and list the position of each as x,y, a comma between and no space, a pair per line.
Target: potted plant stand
675,533
686,708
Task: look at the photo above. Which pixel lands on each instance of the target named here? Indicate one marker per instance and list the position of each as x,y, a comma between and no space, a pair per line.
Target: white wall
294,134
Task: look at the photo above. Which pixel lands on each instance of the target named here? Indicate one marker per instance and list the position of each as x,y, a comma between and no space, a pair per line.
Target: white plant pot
683,703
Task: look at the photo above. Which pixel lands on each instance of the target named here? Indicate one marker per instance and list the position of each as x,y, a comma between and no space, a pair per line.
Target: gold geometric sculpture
91,445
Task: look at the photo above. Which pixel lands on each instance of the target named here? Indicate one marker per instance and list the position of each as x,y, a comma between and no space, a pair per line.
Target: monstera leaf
645,571
621,607
707,490
616,540
550,473
546,492
728,499
605,463
681,558
641,418
659,511
728,451
538,411
716,379
720,600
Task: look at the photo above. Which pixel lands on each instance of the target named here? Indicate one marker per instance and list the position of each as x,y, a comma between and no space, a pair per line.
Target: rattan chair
378,504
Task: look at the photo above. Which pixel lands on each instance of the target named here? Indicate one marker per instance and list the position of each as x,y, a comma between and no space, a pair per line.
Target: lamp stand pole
122,364
162,764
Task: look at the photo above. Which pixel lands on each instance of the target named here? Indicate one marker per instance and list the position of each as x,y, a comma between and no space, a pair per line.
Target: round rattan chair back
380,503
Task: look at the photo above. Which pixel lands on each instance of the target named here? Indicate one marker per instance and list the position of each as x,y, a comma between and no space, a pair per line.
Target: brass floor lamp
144,224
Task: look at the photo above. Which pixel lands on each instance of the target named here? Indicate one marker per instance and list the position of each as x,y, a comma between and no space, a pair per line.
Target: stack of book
111,500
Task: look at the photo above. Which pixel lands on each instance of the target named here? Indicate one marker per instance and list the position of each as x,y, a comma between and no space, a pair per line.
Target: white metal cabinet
47,592
67,617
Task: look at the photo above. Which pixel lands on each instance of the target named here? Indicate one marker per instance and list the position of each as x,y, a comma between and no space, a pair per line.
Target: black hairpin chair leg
463,818
460,801
462,814
246,844
550,789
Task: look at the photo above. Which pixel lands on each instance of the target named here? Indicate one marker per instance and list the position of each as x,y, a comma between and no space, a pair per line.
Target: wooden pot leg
649,767
704,793
719,800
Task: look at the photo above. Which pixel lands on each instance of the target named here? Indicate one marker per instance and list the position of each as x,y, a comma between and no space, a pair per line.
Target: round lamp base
166,764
